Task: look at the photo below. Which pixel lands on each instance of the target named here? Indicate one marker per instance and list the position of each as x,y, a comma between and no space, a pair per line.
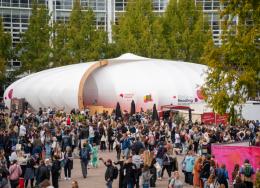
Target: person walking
29,172
121,172
137,161
15,172
68,163
166,165
42,173
146,176
66,141
129,173
125,146
175,181
247,173
189,162
4,173
111,138
235,173
205,170
94,158
159,159
222,176
55,171
109,174
84,154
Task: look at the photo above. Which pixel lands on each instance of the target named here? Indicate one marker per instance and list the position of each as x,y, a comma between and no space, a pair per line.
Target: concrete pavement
96,178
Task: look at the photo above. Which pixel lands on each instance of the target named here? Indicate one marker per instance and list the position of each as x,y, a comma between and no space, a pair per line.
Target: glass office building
16,14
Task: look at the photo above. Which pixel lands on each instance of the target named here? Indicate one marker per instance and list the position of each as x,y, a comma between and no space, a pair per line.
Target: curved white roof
128,77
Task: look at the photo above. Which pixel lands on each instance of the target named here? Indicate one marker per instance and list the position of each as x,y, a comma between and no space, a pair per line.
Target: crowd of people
35,147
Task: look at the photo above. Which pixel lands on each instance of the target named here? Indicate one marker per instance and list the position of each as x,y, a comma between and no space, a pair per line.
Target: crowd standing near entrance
36,147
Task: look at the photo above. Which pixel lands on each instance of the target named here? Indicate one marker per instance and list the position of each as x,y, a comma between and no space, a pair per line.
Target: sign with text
212,118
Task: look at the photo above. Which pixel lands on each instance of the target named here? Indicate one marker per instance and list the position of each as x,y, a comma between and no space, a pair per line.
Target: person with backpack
15,172
55,171
84,154
247,173
111,172
222,175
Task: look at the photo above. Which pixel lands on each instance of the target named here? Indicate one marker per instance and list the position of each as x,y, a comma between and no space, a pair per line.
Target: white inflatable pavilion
123,79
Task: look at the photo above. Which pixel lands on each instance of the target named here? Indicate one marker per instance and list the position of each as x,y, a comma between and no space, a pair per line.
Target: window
16,63
24,3
6,3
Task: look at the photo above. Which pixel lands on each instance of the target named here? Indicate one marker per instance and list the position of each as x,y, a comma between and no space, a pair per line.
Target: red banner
212,118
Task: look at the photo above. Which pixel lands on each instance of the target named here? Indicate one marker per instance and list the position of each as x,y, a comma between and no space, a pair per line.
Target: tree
84,41
5,50
233,73
139,31
34,49
186,30
60,52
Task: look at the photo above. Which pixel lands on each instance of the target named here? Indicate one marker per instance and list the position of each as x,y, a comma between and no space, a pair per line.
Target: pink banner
231,155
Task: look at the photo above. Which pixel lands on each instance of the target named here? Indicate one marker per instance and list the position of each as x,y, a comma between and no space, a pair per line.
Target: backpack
221,176
115,172
85,154
247,170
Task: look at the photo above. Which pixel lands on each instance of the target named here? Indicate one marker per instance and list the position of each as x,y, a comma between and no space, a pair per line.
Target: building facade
16,14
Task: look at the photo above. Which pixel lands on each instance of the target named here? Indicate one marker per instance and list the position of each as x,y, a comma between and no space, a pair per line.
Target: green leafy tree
60,54
139,31
5,50
34,48
233,73
84,41
186,30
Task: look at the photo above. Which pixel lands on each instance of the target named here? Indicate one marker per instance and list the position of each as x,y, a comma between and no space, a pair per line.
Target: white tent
123,79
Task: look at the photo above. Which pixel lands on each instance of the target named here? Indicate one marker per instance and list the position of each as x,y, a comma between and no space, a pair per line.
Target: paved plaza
96,178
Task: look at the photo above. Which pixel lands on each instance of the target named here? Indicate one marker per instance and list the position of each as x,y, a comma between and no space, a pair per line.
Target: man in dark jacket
109,174
111,139
42,173
66,140
84,154
137,146
129,170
